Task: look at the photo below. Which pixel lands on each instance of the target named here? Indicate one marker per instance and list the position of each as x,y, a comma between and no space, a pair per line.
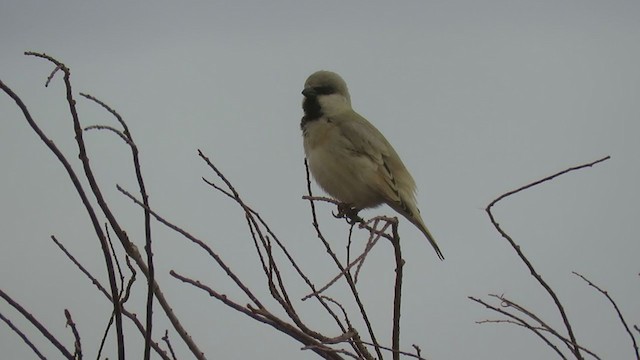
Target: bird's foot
349,213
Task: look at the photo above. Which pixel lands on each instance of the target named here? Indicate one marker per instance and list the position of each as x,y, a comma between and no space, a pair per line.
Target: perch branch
348,278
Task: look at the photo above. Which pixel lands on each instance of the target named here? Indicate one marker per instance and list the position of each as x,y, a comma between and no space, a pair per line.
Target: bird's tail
417,221
412,214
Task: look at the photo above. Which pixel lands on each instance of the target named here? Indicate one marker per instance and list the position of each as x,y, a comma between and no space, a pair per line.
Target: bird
349,158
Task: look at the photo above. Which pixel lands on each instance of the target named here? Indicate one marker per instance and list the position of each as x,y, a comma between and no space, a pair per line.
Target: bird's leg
349,213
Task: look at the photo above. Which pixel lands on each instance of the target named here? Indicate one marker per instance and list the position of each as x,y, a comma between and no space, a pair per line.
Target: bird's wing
366,140
391,179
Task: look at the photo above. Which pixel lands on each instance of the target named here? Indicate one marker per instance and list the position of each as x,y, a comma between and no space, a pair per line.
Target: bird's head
325,93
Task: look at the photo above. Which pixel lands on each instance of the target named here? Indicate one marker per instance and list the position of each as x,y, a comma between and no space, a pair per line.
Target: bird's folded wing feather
368,141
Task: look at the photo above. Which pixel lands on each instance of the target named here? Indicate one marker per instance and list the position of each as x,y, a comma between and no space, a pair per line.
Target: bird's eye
325,90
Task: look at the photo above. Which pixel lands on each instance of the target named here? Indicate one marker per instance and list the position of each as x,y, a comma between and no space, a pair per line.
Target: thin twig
27,315
77,344
397,293
417,349
374,236
357,261
615,306
115,258
120,134
398,352
524,323
263,316
165,338
50,77
200,243
132,279
247,209
104,292
507,303
105,333
23,337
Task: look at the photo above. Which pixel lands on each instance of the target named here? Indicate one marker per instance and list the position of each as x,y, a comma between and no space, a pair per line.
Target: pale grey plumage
349,158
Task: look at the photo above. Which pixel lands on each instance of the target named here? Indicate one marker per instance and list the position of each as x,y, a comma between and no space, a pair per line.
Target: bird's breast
318,134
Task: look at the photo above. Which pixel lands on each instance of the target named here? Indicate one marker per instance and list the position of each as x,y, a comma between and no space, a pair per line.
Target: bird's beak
309,92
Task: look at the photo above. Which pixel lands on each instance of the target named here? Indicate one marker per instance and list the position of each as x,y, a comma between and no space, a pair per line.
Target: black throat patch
312,110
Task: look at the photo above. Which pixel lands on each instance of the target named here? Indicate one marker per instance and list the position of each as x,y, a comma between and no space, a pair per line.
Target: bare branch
233,194
76,182
150,273
165,338
358,261
263,316
125,312
200,243
516,247
506,303
266,243
523,323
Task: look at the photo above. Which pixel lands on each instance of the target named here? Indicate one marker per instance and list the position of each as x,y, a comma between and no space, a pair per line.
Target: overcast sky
478,98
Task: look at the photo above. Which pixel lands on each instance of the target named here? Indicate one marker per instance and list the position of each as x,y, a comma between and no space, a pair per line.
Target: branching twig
233,194
525,260
200,243
356,262
523,323
506,303
263,316
76,182
165,338
128,138
104,291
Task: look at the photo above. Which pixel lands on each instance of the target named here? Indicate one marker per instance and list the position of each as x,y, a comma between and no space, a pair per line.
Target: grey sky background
478,97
